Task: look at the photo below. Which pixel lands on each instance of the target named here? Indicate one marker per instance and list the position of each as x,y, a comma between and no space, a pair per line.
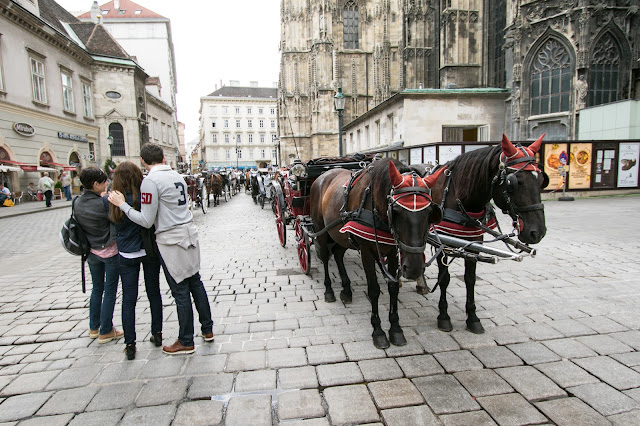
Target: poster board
415,156
580,162
429,153
552,154
628,165
448,153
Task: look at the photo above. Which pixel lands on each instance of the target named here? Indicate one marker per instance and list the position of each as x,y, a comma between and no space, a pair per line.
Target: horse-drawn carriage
197,192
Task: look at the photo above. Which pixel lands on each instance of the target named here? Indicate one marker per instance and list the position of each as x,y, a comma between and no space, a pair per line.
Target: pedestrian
66,185
92,213
165,204
45,184
5,196
132,253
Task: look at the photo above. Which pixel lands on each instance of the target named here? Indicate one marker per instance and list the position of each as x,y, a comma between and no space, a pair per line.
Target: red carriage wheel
304,247
280,224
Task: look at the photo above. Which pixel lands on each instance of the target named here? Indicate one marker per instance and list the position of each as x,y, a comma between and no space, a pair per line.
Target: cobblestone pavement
561,345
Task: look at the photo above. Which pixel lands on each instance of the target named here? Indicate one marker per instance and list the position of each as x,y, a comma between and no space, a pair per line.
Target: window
550,79
105,11
261,124
87,104
604,72
169,137
273,124
138,11
226,123
213,123
350,28
215,154
155,129
67,92
248,110
262,138
250,153
227,153
37,81
366,136
249,123
260,111
239,154
1,72
215,138
122,11
273,137
273,111
391,129
164,132
238,138
117,146
274,154
212,110
250,137
225,110
237,110
237,124
226,138
92,151
378,132
262,153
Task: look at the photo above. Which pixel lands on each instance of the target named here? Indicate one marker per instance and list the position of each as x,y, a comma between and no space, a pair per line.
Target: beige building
160,128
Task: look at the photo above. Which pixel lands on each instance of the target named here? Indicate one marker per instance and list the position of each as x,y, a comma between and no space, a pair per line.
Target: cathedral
551,58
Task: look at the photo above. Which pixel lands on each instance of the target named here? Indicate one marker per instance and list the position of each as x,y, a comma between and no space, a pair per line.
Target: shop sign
24,129
63,135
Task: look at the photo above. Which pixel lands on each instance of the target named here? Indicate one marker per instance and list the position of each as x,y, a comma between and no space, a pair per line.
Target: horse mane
381,184
473,172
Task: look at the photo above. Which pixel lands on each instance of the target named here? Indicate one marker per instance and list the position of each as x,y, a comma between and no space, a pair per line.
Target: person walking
91,210
66,185
132,253
165,205
45,184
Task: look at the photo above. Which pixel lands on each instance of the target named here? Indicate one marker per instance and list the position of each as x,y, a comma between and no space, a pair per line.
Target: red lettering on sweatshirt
146,197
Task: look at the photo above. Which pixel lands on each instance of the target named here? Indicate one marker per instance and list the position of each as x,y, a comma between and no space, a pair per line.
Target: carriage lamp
338,102
299,170
110,142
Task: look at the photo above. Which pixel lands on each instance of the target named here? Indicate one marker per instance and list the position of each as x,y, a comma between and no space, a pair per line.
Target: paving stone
289,357
533,353
444,394
631,338
75,377
453,361
249,410
149,416
572,328
395,393
506,335
59,420
243,361
511,409
633,393
483,383
199,413
419,415
529,382
604,399
496,357
566,374
163,367
631,359
568,348
468,340
350,404
339,374
437,341
539,331
604,345
209,364
29,383
380,369
255,380
300,404
115,396
208,386
602,324
611,371
162,391
98,418
297,378
357,351
325,354
624,419
475,418
411,348
121,372
419,365
571,411
68,401
323,421
22,406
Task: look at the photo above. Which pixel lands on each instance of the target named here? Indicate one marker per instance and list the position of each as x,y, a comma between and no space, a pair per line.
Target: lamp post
338,103
237,154
110,142
277,144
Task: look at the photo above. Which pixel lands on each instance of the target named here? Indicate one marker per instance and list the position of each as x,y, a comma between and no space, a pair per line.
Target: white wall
617,120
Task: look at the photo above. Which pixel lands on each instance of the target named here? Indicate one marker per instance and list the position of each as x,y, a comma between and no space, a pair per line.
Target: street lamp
277,144
338,103
237,153
110,139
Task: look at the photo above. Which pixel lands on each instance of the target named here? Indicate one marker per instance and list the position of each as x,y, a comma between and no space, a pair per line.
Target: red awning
11,162
70,168
52,164
24,166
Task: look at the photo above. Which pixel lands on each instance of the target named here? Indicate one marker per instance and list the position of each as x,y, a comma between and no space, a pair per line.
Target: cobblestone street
562,341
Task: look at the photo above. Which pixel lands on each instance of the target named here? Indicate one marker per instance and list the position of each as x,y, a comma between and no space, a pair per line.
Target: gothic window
117,146
550,79
350,25
604,71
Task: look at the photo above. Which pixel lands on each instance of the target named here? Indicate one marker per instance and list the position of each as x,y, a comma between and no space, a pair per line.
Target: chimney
253,84
234,83
95,12
116,4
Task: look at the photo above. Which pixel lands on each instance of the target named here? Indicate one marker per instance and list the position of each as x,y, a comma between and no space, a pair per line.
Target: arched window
351,25
604,71
117,145
550,79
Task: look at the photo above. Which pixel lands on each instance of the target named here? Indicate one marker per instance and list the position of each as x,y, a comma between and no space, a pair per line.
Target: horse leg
396,336
444,321
324,253
345,295
473,322
380,340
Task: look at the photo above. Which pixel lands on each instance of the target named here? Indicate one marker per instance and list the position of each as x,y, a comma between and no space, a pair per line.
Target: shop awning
59,166
18,165
43,169
5,169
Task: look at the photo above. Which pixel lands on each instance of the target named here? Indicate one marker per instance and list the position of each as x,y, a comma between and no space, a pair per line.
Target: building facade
238,127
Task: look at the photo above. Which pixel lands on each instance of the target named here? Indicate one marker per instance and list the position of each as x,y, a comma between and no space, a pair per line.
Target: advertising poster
580,160
448,153
552,155
416,156
429,155
628,165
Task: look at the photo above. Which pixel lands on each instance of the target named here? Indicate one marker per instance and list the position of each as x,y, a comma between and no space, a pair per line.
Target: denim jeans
104,276
129,273
67,192
182,293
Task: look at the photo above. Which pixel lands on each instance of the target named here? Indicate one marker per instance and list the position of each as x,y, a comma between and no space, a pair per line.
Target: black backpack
75,241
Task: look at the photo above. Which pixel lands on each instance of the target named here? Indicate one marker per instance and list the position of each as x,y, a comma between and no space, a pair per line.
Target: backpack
75,241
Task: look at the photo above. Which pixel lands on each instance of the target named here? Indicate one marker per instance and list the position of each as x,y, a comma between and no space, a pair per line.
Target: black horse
465,186
394,214
255,186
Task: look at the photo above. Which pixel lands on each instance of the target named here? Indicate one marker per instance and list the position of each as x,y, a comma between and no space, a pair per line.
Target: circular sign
24,129
563,157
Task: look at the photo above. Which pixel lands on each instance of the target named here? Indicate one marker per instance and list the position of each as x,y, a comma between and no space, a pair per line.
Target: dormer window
138,12
121,11
105,11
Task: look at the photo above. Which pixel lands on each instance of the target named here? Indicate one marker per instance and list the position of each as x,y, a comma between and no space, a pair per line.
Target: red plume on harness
511,154
410,200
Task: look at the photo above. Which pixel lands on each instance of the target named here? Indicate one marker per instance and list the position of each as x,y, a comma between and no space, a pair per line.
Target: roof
127,10
54,14
245,92
97,39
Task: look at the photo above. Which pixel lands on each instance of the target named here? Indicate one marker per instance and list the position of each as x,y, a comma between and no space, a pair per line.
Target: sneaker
130,350
208,337
94,333
156,338
178,348
113,334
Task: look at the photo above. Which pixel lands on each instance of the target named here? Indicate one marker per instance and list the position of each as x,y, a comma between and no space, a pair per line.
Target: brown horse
214,186
403,212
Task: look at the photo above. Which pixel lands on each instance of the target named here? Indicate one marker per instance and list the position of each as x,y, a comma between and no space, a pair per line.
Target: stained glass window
351,25
550,79
604,71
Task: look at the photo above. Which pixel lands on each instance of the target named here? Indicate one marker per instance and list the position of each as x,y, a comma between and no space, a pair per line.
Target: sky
214,40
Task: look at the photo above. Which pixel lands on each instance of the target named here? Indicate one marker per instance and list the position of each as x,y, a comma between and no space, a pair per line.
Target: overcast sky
214,40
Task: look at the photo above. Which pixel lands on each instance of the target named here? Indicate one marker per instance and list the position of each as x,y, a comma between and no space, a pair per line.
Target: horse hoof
397,338
475,327
380,341
421,290
329,297
445,325
346,297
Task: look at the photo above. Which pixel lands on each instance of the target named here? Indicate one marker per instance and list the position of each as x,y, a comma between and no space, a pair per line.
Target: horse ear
534,147
394,175
507,146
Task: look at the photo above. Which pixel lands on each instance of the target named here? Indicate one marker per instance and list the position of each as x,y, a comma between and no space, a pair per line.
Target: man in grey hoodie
164,203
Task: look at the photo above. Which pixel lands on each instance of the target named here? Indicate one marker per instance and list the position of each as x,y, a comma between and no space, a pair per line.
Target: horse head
517,187
410,212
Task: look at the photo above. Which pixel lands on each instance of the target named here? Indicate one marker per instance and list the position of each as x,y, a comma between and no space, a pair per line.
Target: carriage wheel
204,196
262,197
280,224
190,201
304,247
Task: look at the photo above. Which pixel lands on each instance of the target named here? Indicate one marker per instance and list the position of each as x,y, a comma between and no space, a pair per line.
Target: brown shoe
178,349
112,335
94,333
208,337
